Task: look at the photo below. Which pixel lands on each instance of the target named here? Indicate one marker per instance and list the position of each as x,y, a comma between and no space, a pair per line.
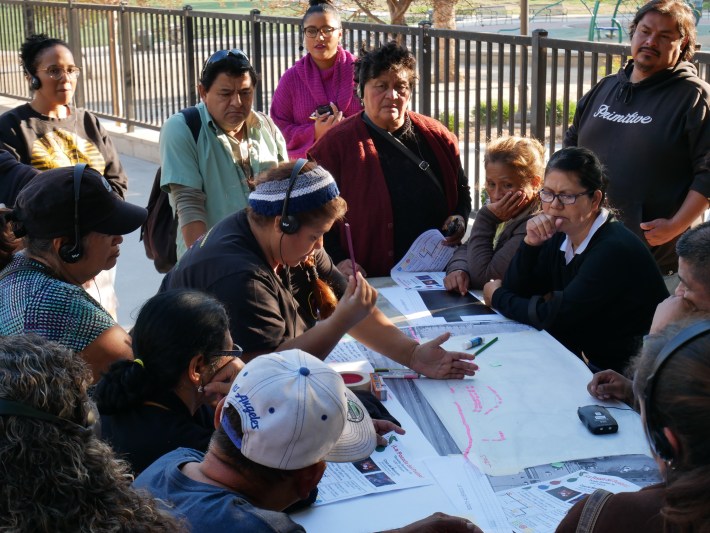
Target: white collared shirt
567,243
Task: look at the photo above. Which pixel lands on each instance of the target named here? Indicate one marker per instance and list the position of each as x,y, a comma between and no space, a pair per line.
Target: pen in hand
349,237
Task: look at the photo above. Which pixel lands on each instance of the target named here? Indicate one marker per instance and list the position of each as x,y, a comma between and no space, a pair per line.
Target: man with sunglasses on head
208,173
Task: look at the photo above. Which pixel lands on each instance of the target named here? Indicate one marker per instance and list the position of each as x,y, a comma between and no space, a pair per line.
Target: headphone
289,224
8,407
71,253
659,443
35,82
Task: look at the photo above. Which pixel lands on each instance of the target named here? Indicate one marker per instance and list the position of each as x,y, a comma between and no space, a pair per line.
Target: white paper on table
393,468
541,507
503,424
469,491
420,281
383,510
411,305
427,254
346,351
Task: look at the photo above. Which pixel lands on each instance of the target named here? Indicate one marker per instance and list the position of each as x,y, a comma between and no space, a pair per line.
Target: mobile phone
597,419
324,109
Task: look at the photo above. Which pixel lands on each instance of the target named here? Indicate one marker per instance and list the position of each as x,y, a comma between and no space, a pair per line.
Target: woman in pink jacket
318,91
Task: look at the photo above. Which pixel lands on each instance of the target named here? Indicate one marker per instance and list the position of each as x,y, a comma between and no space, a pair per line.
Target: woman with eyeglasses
318,90
579,273
50,132
399,171
185,361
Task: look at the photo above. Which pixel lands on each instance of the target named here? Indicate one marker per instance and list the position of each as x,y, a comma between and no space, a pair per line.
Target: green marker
485,346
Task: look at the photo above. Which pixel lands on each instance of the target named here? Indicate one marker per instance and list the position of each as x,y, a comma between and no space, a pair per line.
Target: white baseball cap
296,411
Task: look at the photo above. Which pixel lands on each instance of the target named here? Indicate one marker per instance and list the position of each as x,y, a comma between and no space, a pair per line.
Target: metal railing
141,65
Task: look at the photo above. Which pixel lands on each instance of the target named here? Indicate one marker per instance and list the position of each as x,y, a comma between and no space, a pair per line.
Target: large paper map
503,423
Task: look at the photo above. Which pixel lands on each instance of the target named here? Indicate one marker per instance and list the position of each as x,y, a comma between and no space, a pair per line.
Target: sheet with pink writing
520,409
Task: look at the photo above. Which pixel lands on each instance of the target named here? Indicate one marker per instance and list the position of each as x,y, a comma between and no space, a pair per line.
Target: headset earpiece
11,408
659,443
72,252
289,224
35,82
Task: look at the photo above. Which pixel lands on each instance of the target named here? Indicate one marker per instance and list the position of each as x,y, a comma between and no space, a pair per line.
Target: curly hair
57,476
390,57
680,400
33,46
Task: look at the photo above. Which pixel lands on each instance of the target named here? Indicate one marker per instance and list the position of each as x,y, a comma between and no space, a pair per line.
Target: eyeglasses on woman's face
565,199
325,31
57,73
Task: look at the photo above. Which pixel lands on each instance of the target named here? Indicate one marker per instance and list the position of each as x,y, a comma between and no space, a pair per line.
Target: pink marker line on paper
468,430
349,236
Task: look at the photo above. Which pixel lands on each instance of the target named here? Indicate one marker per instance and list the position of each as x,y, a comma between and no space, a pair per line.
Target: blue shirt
207,508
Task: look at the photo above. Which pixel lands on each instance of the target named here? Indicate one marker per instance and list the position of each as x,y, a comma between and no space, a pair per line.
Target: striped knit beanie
311,190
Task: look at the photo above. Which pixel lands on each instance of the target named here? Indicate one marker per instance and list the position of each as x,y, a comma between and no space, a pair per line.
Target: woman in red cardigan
399,171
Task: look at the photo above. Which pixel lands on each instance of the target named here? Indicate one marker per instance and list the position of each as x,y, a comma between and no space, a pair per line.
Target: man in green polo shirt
209,177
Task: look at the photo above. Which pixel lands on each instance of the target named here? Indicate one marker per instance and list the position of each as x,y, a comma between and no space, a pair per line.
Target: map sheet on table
520,409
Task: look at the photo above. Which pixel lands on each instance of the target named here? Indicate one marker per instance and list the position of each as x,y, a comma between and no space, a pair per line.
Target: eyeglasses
565,199
57,73
236,351
241,57
325,31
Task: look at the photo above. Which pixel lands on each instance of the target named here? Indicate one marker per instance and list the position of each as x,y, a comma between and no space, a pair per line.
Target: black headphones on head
71,253
659,443
12,408
35,82
290,224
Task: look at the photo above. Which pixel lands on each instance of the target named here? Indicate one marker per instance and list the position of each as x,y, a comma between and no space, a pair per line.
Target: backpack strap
592,509
193,121
272,129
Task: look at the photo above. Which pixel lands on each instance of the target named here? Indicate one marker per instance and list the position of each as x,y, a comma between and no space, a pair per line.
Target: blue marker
472,343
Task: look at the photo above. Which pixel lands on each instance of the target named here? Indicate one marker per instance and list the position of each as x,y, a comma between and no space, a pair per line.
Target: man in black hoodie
650,126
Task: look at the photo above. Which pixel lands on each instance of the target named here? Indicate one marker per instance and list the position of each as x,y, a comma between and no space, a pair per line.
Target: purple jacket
304,87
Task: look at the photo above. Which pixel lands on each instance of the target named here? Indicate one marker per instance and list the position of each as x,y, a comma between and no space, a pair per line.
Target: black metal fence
141,65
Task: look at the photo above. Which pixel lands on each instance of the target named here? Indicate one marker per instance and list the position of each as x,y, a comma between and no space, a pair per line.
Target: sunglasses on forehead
241,57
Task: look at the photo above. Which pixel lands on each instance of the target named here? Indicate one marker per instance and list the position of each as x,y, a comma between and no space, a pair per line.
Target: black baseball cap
45,206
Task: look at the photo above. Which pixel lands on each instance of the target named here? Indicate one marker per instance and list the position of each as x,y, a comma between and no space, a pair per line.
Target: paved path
136,279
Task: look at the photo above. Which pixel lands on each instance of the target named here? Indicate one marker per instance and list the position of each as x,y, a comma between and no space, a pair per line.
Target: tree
444,17
397,9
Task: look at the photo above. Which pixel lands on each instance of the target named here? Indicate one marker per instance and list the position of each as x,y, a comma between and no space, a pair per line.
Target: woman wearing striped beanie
267,265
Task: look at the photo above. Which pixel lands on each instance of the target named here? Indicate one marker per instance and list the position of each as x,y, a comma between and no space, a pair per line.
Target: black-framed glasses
241,57
57,73
565,199
325,31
